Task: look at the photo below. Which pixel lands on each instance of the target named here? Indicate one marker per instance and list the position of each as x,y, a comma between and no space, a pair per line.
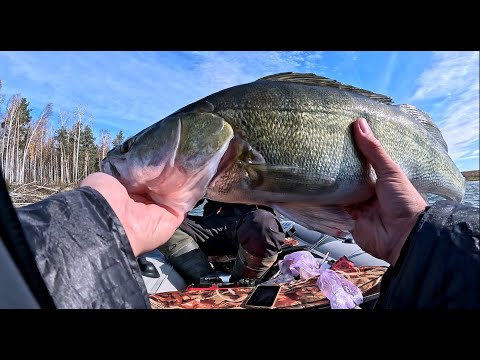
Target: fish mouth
105,166
115,171
109,168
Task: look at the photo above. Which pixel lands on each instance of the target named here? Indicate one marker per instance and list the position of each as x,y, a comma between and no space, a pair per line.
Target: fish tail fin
427,122
452,186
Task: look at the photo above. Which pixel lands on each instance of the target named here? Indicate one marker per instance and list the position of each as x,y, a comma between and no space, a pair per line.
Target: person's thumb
373,151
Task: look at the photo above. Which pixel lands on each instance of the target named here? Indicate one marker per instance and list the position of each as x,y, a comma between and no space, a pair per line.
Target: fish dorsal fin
427,122
313,79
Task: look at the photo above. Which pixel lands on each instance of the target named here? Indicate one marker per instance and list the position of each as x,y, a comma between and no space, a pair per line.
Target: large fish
284,141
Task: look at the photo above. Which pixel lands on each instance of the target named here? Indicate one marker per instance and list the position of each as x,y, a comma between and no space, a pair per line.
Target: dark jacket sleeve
439,265
82,251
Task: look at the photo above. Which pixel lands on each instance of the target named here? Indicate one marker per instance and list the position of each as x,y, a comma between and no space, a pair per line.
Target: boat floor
300,239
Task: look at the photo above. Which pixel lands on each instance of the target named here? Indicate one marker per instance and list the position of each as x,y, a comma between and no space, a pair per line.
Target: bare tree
10,124
103,145
40,123
76,150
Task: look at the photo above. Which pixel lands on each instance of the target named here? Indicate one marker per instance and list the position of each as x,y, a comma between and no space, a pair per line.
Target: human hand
147,225
384,222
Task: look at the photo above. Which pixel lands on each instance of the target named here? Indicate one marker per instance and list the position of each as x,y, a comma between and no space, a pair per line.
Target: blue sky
131,90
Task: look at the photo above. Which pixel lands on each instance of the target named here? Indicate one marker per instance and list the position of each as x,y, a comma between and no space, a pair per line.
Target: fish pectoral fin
313,79
286,179
331,220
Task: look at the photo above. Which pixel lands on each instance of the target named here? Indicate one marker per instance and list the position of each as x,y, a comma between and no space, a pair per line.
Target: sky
130,90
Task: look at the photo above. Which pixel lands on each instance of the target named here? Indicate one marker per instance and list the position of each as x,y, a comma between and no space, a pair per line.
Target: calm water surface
471,194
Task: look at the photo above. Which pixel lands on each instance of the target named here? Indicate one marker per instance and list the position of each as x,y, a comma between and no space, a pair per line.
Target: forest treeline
472,175
37,150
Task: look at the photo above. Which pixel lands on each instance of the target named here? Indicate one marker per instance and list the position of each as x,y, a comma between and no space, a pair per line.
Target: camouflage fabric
227,298
296,294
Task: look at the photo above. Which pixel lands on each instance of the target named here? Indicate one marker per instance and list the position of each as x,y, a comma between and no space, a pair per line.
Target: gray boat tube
336,248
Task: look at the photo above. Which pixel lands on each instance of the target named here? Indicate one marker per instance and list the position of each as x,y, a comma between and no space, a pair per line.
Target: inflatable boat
320,245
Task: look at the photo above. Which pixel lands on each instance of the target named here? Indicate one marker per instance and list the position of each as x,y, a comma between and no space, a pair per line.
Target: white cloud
388,72
469,157
134,89
476,152
219,70
450,74
453,82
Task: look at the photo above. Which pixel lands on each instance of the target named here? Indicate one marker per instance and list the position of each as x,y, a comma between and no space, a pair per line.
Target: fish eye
126,145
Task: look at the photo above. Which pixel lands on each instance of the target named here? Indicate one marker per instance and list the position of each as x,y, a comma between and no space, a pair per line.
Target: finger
373,151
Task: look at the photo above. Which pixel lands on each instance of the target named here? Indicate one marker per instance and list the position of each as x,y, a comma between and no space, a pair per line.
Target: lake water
471,194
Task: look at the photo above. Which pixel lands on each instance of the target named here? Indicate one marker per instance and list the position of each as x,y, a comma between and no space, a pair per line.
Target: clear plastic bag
341,292
302,264
280,279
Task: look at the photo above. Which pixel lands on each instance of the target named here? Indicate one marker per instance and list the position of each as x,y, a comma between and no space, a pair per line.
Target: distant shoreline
472,175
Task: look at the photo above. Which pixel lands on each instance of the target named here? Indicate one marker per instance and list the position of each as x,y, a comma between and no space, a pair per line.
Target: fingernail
364,126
